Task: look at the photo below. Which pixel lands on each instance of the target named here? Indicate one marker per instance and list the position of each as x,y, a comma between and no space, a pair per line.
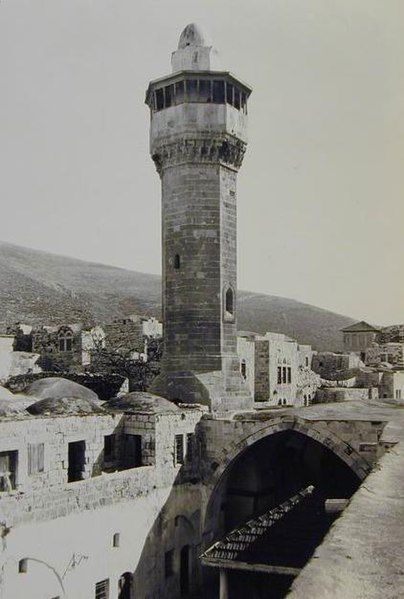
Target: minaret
197,141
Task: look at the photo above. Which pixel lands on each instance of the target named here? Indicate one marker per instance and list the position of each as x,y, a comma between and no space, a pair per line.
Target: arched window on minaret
243,369
229,303
177,261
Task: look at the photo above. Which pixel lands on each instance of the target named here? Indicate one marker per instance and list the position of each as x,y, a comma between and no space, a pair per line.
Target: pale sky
320,196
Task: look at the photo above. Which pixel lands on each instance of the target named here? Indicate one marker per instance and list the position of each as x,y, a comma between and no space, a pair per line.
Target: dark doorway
77,460
184,570
125,586
132,451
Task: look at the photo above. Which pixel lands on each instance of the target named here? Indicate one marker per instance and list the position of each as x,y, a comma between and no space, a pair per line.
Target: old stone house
277,368
359,336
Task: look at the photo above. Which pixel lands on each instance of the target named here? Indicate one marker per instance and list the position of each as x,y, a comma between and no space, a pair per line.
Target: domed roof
15,400
12,408
60,388
191,36
65,406
140,401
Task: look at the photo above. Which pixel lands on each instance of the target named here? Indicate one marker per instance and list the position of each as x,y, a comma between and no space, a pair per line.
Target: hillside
39,287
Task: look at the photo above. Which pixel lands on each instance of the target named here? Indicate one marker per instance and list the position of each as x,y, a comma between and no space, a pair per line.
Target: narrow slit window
243,369
177,261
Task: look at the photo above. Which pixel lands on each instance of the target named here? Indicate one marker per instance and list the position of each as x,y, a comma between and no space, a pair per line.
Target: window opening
159,99
132,451
192,90
229,93
23,566
236,98
179,92
8,470
102,589
205,93
168,93
76,461
244,102
229,302
218,92
179,449
65,341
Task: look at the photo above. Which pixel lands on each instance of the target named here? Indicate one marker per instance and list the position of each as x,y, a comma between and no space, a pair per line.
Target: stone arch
321,434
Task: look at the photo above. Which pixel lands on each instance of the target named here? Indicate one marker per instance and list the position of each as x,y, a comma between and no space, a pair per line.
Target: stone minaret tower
197,142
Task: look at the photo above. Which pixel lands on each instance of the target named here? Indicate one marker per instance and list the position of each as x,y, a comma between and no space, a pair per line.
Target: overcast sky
321,210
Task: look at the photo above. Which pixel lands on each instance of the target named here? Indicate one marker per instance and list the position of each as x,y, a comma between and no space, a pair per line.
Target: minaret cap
191,36
194,52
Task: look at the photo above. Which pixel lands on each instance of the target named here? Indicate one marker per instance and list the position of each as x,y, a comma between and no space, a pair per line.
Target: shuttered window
102,589
36,452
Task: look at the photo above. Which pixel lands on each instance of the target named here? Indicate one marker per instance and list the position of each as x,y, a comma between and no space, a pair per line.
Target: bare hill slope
39,287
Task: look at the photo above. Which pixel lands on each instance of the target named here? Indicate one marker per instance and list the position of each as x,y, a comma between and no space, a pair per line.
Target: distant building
13,362
277,369
71,348
359,336
329,364
392,385
391,353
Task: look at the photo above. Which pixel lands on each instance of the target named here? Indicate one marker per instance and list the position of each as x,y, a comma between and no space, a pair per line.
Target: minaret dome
191,36
194,52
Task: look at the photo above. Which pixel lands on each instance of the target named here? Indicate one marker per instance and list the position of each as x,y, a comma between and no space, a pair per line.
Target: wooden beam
234,565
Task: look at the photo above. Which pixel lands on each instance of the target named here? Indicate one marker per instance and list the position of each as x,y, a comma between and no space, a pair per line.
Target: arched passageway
264,475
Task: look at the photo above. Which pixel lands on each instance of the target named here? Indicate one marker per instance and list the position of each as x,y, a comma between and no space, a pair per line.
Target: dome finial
191,36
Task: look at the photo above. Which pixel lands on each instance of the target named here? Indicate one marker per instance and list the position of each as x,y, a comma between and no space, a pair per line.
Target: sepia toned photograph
201,299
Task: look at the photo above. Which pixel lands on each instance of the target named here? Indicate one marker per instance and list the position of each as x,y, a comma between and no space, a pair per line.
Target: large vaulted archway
266,467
